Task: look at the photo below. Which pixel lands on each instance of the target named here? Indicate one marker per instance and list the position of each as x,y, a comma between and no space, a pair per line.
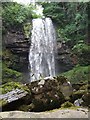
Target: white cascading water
42,49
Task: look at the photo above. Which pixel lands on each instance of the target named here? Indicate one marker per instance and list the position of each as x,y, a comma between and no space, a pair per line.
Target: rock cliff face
19,45
64,58
16,42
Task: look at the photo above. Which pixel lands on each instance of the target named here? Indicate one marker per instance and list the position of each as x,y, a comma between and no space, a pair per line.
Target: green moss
81,47
78,74
10,74
8,58
80,92
3,102
67,105
85,87
11,60
13,85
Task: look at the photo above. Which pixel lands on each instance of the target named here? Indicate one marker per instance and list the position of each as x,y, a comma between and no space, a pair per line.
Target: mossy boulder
9,86
80,90
77,95
47,93
14,93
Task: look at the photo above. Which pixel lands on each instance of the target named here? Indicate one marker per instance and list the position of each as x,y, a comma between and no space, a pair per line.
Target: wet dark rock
86,99
17,42
64,59
13,99
48,93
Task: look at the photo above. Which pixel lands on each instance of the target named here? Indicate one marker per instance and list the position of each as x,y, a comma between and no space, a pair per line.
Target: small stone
41,82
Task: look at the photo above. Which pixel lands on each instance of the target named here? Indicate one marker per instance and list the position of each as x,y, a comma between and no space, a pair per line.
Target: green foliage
78,74
70,18
14,14
82,51
80,47
27,29
80,93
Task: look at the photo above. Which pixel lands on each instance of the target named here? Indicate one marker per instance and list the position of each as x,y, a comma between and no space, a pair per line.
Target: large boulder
49,93
13,95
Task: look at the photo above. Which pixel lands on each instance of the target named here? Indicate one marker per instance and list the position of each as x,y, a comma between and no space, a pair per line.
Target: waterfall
42,49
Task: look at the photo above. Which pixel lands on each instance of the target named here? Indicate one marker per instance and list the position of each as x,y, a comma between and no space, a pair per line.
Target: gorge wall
19,45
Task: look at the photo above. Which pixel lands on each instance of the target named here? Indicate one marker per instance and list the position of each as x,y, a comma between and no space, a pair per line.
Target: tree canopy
71,19
14,14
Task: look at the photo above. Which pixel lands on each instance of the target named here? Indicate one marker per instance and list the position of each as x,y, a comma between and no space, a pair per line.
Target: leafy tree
14,14
71,19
